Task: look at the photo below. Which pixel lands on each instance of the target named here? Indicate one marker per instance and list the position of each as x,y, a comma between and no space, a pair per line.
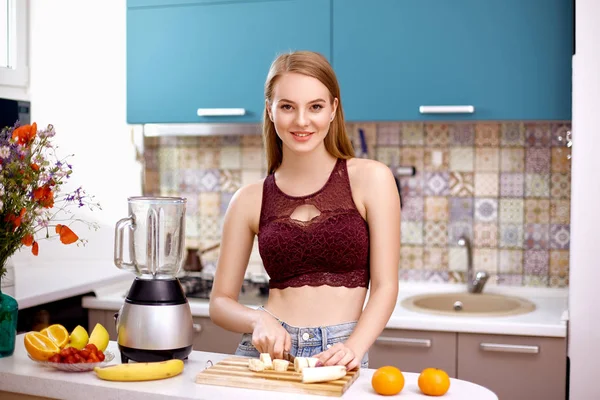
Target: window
13,43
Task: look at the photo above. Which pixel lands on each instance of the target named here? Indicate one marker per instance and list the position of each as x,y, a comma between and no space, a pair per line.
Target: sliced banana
256,365
266,360
280,365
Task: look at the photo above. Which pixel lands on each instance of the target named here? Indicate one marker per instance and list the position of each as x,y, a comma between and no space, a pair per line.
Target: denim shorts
306,342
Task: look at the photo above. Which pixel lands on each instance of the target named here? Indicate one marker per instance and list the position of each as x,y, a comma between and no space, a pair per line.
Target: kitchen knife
287,356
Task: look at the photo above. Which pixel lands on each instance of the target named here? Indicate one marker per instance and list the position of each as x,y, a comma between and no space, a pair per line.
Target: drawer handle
404,341
509,348
220,112
446,109
197,328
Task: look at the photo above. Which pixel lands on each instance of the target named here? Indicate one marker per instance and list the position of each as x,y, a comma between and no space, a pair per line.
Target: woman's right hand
270,337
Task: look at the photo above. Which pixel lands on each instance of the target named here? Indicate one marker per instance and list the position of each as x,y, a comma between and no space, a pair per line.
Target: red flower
27,240
35,249
25,134
44,196
67,236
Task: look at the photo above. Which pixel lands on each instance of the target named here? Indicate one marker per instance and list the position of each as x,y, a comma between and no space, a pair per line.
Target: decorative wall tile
487,159
512,134
230,180
457,259
411,232
486,184
461,209
436,159
560,162
435,259
510,280
560,186
436,234
462,184
436,135
252,141
389,134
411,257
511,211
209,180
152,182
511,236
436,276
210,227
486,260
412,208
536,236
231,158
225,199
251,176
436,184
512,184
462,159
512,159
487,135
411,275
462,134
413,134
536,262
559,134
252,158
210,204
486,210
233,140
560,236
370,133
388,155
559,268
436,209
537,135
537,211
560,211
535,280
537,185
537,160
511,262
485,235
412,186
458,229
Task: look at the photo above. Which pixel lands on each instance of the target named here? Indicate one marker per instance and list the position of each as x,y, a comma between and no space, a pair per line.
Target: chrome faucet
475,283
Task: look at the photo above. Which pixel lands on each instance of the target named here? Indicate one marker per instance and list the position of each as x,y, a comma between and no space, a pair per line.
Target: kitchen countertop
548,319
19,374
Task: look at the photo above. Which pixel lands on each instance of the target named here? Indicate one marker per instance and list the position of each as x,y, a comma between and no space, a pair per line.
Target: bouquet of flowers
32,207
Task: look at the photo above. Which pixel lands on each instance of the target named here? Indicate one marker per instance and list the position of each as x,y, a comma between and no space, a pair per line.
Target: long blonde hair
314,65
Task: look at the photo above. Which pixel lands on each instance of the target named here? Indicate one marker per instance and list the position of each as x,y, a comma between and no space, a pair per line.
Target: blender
155,322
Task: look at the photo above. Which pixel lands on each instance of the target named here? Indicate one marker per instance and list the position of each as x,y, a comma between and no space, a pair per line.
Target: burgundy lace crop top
330,249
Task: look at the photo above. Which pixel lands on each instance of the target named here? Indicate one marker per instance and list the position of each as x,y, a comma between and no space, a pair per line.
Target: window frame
19,75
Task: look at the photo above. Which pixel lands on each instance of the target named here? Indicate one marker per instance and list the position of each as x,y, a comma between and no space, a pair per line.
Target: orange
57,333
434,381
40,347
388,381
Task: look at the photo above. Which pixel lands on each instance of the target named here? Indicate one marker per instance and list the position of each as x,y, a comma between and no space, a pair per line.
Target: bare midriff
313,306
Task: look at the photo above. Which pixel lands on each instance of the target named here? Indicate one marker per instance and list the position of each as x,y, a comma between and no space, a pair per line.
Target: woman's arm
236,245
382,204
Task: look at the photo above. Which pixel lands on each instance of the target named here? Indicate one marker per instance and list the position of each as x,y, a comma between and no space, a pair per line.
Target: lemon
79,338
99,337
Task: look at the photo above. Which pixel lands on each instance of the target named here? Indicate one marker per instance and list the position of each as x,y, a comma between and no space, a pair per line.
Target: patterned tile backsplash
505,185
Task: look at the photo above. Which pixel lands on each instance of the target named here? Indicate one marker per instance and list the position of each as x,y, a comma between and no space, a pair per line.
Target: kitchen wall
504,185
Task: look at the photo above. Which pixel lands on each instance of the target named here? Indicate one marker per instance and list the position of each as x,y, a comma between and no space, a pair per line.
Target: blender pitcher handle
121,225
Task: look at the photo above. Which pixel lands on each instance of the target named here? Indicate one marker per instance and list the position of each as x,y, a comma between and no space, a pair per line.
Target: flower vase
8,312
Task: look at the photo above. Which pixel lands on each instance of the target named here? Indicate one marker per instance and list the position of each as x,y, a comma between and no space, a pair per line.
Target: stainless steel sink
468,304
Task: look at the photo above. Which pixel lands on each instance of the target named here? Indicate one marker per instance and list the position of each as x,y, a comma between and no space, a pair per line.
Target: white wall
584,339
77,83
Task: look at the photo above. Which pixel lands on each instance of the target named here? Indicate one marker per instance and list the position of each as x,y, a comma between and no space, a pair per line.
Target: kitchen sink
468,304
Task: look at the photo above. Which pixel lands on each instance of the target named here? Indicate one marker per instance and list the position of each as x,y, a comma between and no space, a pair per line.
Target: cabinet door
514,367
212,338
510,59
209,55
413,351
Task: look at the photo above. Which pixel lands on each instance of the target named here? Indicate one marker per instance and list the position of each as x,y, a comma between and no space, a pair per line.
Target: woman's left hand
339,354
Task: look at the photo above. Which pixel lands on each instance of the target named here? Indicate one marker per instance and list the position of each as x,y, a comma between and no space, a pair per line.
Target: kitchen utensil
287,356
155,322
234,372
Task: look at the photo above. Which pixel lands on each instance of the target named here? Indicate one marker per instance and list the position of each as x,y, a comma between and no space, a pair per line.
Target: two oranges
389,381
43,345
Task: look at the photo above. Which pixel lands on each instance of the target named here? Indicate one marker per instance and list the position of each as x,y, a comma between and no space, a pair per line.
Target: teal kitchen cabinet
508,59
194,57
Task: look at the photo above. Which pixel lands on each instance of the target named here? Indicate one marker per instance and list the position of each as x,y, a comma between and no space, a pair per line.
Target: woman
327,224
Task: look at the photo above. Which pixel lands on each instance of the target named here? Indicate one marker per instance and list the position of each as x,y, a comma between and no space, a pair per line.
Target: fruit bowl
76,367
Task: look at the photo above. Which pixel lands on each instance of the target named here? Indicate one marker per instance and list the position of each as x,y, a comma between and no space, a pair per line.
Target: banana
140,371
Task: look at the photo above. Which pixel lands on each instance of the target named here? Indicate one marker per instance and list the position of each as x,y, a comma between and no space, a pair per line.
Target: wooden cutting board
234,372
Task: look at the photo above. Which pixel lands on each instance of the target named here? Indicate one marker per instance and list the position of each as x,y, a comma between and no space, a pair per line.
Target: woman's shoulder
250,193
368,170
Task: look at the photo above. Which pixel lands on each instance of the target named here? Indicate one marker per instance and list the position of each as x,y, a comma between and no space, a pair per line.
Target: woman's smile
301,136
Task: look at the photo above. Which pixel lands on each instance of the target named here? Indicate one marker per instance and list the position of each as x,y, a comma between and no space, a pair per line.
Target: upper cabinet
207,61
507,59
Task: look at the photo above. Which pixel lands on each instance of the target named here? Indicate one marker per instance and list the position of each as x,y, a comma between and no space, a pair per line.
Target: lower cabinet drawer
413,351
514,367
212,338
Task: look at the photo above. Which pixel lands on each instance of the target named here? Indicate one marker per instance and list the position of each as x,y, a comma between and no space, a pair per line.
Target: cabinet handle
509,348
404,341
219,112
197,328
446,109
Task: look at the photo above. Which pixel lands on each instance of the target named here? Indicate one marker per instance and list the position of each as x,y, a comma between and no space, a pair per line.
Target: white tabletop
19,374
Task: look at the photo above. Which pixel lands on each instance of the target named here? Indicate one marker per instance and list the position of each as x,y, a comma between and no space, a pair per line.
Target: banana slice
280,365
300,363
312,361
256,365
323,374
266,360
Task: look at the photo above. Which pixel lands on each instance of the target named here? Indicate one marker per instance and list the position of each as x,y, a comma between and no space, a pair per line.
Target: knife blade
287,356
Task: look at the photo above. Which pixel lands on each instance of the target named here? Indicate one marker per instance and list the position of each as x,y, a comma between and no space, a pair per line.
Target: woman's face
302,111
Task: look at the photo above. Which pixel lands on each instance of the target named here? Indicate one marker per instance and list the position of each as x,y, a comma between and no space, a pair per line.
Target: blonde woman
328,227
